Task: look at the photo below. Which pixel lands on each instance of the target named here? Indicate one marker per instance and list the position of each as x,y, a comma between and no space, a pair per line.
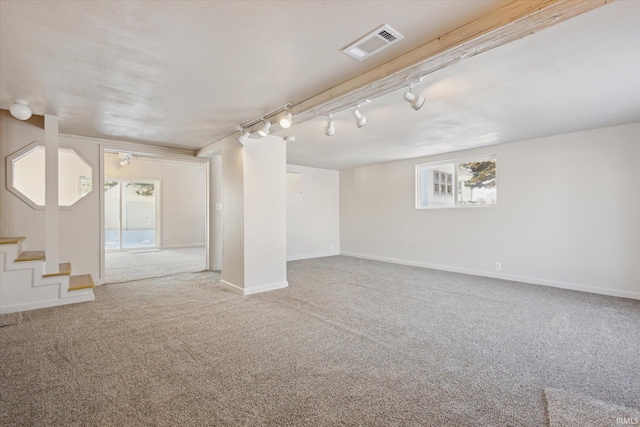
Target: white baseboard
256,289
45,304
309,256
194,245
514,278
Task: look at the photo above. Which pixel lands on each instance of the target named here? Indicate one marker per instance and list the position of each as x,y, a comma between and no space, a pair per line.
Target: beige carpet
138,264
574,409
350,342
10,319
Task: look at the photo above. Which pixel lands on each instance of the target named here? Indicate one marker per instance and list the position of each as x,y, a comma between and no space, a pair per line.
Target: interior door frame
109,146
158,210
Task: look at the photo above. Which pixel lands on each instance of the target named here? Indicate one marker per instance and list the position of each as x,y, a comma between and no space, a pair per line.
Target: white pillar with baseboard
215,212
254,228
52,210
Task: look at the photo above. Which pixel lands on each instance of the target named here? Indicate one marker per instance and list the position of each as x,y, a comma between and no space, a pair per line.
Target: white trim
523,279
188,245
265,288
235,288
101,204
138,148
316,255
256,289
45,304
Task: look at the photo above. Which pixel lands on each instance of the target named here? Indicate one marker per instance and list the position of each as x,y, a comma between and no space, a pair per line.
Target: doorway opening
155,211
131,214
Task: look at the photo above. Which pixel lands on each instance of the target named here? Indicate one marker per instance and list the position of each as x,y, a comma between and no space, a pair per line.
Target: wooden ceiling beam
511,22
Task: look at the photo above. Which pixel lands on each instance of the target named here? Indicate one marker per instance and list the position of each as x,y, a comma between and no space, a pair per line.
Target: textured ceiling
581,74
185,73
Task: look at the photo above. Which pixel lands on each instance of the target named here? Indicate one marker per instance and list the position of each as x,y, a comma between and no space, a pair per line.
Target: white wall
265,214
215,212
183,197
233,215
313,216
568,214
79,225
254,223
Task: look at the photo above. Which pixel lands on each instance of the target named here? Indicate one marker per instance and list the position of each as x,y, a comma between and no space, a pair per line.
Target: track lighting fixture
244,134
286,119
330,129
20,110
416,101
361,120
288,139
264,130
125,158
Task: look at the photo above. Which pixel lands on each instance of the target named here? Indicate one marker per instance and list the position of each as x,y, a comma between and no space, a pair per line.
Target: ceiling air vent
373,43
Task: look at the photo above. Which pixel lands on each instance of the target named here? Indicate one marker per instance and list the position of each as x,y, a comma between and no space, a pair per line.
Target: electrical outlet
166,238
498,266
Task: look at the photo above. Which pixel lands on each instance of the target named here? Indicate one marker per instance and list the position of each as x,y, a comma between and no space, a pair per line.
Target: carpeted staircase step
31,256
82,281
11,240
64,269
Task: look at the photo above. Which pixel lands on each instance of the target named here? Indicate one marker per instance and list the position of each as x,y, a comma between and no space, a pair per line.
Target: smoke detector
373,43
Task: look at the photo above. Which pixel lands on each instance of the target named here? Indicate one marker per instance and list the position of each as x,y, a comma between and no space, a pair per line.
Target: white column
52,212
215,212
254,215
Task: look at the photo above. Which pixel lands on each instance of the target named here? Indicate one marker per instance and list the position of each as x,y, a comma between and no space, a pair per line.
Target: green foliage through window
142,189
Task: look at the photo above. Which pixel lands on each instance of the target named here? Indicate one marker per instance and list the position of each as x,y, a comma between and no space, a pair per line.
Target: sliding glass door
130,214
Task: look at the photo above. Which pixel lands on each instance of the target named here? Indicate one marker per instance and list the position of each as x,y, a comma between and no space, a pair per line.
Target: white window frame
455,193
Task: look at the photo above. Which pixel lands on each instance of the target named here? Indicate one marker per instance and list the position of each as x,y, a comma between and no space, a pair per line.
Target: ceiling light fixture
264,130
20,110
244,134
286,119
289,139
416,101
125,158
361,120
330,129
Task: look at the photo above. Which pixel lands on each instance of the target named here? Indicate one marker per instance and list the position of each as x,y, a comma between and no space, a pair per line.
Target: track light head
416,101
264,130
244,134
20,110
330,129
288,139
286,120
361,120
125,158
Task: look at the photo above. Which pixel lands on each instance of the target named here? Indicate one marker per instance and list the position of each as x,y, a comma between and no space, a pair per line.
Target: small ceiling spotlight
330,129
244,134
286,120
264,130
361,120
20,110
288,139
125,158
416,101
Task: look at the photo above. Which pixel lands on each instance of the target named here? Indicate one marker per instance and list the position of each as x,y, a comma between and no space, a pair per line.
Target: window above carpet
457,183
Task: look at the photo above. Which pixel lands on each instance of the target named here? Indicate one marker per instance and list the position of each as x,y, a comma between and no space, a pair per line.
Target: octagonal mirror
26,176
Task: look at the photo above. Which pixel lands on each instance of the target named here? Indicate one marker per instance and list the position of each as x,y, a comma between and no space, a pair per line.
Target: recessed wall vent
373,43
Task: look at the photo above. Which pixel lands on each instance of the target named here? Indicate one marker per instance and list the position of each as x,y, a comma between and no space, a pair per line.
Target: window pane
477,183
433,185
